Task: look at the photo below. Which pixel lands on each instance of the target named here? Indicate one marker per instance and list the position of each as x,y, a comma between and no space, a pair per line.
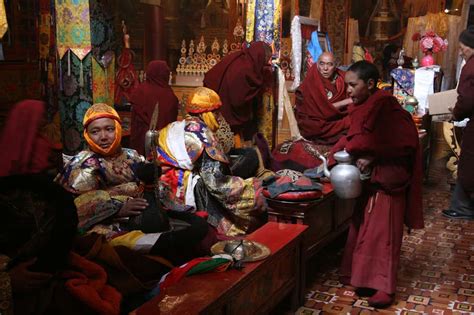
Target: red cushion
296,195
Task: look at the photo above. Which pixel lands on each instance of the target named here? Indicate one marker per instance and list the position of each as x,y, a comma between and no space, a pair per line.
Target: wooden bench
256,289
326,219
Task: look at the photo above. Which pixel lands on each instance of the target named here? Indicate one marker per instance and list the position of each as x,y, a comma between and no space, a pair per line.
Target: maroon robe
239,79
318,120
31,154
154,89
465,109
381,128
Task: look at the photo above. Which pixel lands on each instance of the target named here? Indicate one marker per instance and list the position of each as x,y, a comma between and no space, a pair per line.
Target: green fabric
207,266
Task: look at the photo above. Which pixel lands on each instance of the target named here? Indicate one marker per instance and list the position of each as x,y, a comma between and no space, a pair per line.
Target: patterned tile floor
436,273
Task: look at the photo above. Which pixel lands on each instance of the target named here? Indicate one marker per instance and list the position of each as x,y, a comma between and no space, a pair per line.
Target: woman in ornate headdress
197,171
110,193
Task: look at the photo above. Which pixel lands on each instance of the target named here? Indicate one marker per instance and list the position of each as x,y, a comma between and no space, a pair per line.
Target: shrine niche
190,19
198,57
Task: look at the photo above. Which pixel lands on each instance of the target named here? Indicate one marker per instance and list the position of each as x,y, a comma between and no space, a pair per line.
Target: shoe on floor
381,299
365,292
456,215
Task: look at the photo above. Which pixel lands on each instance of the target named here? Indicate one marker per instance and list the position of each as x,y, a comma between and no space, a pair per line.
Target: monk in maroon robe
320,114
154,90
240,79
383,140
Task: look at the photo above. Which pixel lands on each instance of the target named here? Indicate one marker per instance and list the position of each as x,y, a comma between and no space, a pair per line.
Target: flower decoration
430,42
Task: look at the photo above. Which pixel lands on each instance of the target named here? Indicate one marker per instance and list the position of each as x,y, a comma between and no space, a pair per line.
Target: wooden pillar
173,31
154,46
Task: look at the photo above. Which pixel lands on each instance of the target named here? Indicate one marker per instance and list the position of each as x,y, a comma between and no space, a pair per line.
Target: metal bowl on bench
242,250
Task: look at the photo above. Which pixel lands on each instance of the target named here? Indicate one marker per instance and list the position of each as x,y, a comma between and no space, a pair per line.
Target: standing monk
462,200
383,140
319,110
154,90
240,79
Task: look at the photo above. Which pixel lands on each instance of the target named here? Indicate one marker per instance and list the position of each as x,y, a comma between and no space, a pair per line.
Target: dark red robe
239,79
25,150
465,109
154,89
381,128
318,120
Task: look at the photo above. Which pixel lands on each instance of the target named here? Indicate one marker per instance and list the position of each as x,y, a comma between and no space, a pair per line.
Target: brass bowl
245,251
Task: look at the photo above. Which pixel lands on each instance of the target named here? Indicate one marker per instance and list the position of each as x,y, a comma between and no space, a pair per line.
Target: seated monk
197,170
319,114
320,101
110,197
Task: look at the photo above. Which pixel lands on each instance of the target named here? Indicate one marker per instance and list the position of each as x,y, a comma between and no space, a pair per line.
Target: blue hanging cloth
314,47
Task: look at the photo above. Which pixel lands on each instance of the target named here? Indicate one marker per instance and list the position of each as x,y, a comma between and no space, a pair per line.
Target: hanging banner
250,24
3,19
73,27
264,22
44,35
103,79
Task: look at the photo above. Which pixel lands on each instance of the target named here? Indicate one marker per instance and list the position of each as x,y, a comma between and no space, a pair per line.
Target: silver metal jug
345,177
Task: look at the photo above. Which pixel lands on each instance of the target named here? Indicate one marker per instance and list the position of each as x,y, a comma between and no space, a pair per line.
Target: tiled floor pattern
436,273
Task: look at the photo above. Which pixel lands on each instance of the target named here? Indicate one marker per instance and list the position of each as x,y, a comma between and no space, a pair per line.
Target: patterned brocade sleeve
80,177
242,198
80,173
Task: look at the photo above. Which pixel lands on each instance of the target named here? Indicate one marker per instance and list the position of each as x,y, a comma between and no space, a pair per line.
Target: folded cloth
195,266
276,185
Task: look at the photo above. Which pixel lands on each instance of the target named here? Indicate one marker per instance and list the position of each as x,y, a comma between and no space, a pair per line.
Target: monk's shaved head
326,65
326,56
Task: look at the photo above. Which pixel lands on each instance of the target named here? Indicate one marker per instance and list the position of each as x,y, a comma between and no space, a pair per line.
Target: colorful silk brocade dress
196,170
103,184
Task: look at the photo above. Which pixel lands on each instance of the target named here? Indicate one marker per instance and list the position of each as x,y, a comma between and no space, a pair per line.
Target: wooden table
256,289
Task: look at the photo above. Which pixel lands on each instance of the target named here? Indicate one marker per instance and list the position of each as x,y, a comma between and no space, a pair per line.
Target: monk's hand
24,280
132,207
363,163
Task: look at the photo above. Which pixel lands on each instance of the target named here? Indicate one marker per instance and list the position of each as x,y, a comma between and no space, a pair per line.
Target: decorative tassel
60,74
81,76
68,63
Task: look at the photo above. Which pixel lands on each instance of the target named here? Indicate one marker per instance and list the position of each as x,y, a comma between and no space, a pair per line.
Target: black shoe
456,215
365,292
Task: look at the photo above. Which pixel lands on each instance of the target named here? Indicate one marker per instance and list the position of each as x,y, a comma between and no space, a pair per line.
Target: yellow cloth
3,19
210,121
203,100
97,111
